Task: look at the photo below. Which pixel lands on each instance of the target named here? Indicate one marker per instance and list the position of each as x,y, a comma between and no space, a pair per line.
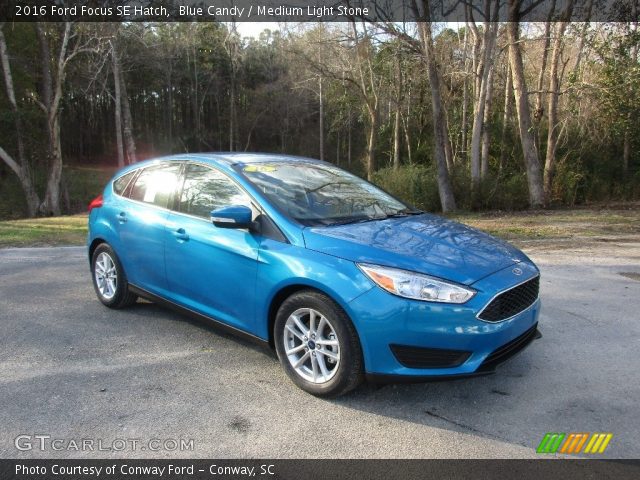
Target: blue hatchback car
343,280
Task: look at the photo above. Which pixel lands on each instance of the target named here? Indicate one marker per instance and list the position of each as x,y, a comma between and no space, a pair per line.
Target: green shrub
417,185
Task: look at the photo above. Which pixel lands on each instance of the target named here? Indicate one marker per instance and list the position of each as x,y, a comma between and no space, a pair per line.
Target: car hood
421,243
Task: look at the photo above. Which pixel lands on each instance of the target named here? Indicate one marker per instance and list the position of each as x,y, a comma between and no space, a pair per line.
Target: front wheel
109,280
317,345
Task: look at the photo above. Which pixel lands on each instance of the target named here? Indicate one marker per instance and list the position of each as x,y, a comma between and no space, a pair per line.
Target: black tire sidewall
121,286
349,372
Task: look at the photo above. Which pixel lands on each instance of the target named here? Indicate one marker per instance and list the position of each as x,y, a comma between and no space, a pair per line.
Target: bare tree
20,166
529,150
465,96
233,48
506,116
626,146
127,121
554,94
399,80
321,117
583,34
442,151
423,15
369,88
483,48
70,43
115,66
486,137
538,111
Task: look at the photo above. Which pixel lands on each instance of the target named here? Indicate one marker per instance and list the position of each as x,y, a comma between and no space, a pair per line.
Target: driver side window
206,189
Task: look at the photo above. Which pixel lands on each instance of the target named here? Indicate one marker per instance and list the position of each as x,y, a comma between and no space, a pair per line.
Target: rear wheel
317,344
109,280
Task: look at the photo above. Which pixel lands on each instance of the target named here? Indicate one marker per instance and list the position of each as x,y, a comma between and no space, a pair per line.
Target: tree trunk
321,119
52,95
554,93
398,114
506,118
368,89
465,98
396,140
480,105
626,152
448,151
51,205
118,105
169,112
583,35
538,111
371,143
529,151
483,50
21,167
196,101
486,138
447,199
127,122
349,140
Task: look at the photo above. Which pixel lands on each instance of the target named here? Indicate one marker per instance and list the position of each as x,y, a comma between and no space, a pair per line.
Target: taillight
95,203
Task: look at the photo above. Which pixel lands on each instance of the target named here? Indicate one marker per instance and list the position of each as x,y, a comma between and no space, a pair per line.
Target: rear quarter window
120,184
156,185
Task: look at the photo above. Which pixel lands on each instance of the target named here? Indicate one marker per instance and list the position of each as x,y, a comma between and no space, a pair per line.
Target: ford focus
343,280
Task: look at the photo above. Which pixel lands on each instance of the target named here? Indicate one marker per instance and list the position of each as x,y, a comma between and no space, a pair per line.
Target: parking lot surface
73,370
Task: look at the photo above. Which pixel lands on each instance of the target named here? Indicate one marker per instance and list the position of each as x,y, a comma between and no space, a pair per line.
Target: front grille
418,357
508,350
511,302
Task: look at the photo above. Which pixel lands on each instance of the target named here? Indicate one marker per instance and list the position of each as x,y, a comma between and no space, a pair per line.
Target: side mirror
233,216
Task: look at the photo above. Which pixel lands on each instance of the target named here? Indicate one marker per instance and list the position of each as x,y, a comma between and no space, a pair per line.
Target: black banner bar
306,10
564,469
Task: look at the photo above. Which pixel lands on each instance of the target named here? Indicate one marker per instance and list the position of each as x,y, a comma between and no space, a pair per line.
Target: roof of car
234,158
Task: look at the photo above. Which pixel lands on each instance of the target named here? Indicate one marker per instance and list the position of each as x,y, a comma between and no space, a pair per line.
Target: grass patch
51,231
521,226
556,224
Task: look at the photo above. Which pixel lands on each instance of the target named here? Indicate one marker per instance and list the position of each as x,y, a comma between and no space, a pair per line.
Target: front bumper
383,320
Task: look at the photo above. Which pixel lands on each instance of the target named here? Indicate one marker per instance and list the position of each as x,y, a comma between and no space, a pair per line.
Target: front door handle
180,234
122,217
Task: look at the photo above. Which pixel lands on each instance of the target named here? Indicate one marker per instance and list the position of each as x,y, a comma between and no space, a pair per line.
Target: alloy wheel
311,345
106,275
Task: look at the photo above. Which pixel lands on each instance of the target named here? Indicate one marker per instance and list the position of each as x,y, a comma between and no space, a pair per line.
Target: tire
334,348
114,290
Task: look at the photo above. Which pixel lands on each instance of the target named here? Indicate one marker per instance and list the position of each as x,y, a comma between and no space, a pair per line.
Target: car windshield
320,194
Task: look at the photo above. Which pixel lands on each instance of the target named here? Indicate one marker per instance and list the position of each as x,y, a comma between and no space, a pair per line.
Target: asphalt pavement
72,371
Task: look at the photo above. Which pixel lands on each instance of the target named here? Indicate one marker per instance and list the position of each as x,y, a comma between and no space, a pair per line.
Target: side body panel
212,270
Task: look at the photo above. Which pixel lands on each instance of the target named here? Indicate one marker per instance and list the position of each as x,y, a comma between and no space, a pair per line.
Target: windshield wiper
347,221
403,213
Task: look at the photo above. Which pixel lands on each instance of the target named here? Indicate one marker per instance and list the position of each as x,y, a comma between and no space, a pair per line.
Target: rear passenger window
206,189
156,185
121,183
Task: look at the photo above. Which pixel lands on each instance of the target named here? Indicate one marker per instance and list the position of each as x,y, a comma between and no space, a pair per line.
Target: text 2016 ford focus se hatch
344,280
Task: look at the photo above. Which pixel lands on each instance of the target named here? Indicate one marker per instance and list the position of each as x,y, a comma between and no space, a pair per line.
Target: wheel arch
94,244
287,291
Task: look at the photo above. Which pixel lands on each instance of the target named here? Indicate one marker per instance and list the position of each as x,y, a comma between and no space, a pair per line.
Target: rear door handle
180,234
122,217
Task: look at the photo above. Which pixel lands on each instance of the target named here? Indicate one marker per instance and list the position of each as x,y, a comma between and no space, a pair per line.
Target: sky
253,29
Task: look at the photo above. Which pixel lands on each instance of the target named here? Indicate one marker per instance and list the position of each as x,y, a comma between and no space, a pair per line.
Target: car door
209,269
140,221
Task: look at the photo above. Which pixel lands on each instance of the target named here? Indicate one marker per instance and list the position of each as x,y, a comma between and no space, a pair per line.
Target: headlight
415,285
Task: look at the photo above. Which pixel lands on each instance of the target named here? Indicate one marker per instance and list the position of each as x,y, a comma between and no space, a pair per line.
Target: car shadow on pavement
496,407
465,405
148,309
